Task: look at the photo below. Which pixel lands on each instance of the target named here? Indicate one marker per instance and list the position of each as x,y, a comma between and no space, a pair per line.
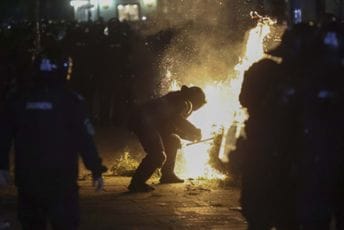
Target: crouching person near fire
49,127
159,124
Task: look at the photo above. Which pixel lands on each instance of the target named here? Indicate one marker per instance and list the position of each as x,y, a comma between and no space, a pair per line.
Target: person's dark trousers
153,145
145,170
171,144
57,206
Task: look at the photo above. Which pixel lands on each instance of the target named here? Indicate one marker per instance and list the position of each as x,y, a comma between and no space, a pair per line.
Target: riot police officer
159,124
50,127
320,157
266,158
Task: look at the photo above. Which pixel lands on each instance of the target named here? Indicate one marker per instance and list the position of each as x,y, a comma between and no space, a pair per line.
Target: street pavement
195,204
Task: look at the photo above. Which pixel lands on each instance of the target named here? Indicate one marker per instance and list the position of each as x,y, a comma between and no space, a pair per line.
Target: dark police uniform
264,158
320,158
271,92
292,171
49,127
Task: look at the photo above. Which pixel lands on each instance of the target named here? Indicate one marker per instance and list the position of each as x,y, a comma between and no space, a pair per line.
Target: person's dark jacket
49,127
168,114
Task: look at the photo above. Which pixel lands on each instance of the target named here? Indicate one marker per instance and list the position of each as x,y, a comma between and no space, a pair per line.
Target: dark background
25,9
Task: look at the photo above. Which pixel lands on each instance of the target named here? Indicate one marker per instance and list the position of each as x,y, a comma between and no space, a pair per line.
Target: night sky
24,9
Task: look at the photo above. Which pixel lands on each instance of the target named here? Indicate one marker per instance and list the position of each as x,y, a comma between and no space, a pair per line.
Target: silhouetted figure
266,159
50,127
320,158
159,124
265,166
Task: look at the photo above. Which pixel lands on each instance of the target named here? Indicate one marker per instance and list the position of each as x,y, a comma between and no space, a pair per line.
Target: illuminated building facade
124,10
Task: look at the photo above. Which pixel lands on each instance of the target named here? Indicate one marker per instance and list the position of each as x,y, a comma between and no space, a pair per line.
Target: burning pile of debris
221,119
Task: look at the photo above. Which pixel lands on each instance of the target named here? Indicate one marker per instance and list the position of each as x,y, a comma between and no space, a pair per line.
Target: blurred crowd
114,64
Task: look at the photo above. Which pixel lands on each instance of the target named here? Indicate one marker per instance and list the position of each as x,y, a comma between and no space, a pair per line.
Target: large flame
222,110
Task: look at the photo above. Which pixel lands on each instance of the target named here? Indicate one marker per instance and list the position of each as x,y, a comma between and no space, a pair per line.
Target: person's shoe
140,187
167,179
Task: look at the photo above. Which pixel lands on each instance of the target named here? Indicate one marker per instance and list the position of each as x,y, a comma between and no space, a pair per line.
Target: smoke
200,53
206,12
207,40
176,13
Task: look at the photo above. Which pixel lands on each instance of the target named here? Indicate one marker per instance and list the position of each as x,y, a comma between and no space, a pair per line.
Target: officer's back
50,127
46,124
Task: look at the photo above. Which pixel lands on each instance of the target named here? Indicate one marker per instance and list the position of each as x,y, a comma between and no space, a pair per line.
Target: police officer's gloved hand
4,178
98,181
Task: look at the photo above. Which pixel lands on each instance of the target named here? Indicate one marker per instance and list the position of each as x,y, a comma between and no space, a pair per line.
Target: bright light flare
211,118
223,108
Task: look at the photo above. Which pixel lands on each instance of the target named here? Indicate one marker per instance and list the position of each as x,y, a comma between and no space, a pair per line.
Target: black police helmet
332,38
52,65
299,39
195,95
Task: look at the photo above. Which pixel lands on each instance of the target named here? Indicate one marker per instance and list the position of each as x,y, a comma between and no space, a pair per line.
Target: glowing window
105,3
149,3
78,3
128,12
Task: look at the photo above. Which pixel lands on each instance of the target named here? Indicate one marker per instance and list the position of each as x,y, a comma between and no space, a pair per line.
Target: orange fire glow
222,110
